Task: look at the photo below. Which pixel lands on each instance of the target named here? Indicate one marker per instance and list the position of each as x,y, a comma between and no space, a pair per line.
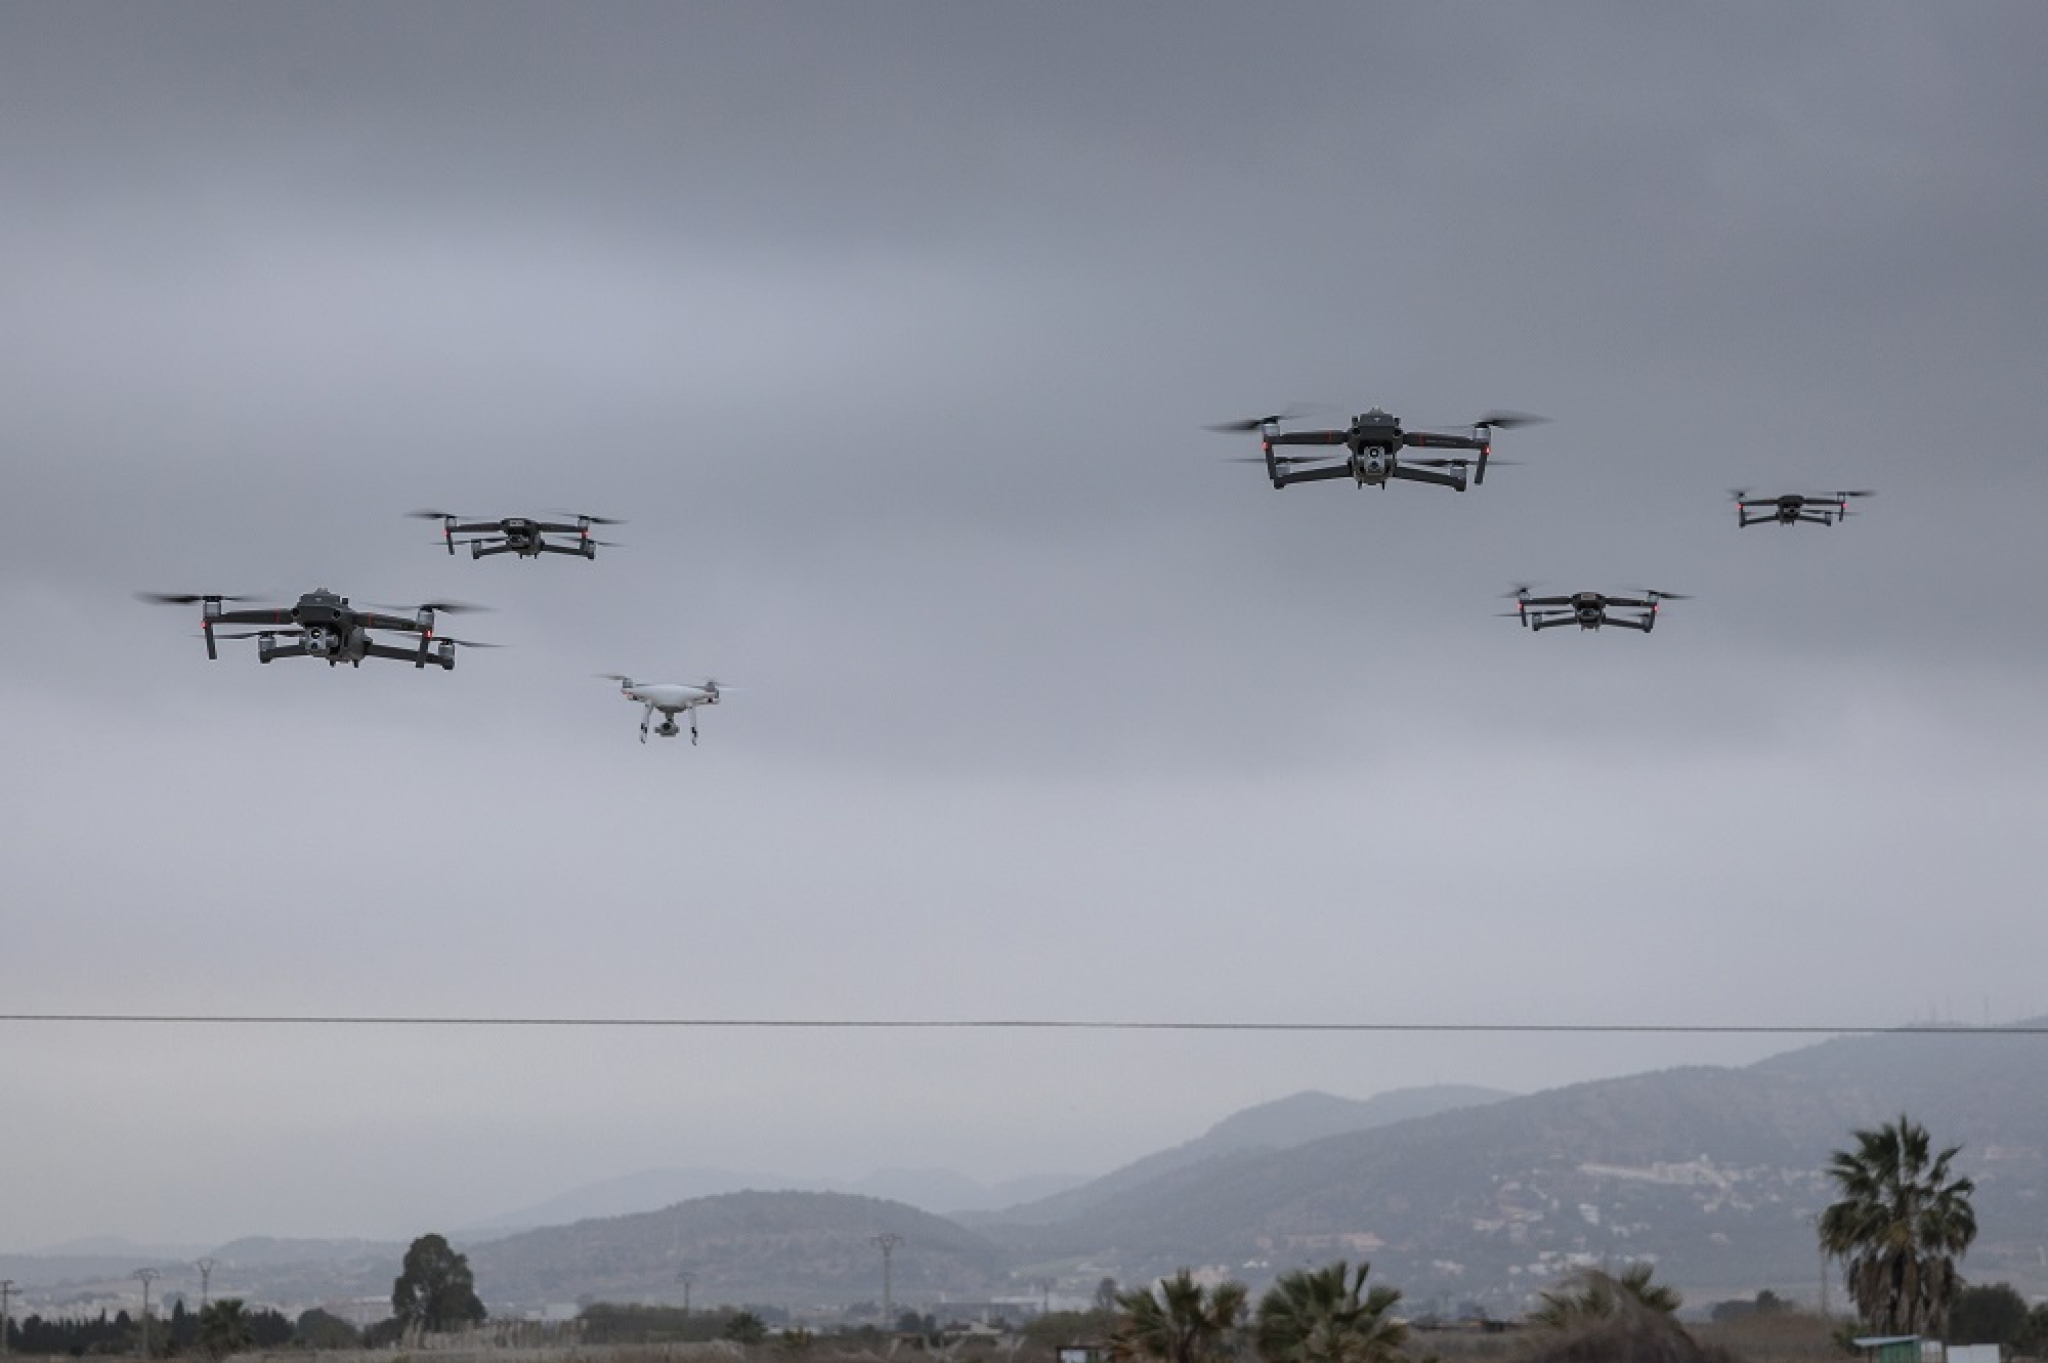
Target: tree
1601,1296
1988,1315
318,1329
436,1291
1325,1315
1767,1303
744,1327
1179,1321
1639,1334
1899,1228
225,1328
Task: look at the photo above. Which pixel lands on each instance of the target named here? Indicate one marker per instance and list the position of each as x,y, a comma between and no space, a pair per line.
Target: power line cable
1017,1024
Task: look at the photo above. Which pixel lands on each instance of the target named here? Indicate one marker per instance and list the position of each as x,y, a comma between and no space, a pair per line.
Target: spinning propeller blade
1506,421
1256,423
438,607
586,516
186,598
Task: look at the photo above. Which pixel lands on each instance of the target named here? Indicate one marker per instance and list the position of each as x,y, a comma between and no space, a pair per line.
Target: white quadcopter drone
671,698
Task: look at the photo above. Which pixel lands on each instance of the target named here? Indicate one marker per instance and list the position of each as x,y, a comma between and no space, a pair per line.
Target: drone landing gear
693,728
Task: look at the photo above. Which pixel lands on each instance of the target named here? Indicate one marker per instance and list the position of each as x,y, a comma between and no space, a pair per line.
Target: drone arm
1543,622
379,620
484,549
1451,480
1313,475
288,651
1438,440
273,616
1308,437
418,657
1646,623
575,549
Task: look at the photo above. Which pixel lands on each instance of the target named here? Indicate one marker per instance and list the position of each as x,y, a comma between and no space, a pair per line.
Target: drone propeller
1506,421
1860,492
1738,495
438,607
588,518
1255,423
186,598
465,643
1521,589
1656,595
426,515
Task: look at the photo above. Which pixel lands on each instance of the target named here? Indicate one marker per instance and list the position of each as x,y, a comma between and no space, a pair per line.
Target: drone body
1590,610
324,625
1373,445
1794,507
521,535
671,698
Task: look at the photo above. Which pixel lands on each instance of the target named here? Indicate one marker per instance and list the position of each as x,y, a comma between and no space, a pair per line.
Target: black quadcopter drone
324,625
1816,508
1372,446
1590,610
521,535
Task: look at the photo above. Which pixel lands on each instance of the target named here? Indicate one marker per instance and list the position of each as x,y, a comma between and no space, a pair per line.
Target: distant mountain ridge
1715,1174
779,1248
1282,1124
938,1191
1458,1197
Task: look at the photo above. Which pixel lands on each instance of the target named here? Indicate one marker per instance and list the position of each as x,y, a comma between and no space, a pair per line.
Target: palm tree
225,1328
1900,1227
1602,1296
1319,1316
1179,1321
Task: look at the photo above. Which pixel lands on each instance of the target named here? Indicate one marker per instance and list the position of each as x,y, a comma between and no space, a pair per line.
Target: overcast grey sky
892,329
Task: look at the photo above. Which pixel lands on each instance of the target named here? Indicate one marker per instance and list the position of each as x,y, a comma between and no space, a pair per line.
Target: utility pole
205,1267
148,1276
686,1278
888,1240
1824,1274
6,1315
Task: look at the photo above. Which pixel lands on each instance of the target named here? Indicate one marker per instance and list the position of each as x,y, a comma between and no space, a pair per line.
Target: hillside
782,1248
1714,1173
1279,1125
